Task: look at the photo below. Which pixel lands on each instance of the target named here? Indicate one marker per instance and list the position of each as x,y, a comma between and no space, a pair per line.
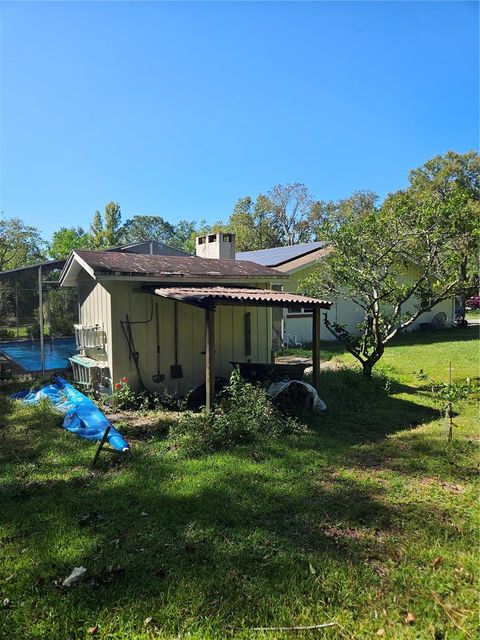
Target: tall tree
183,232
141,228
253,224
291,210
380,260
286,216
66,239
20,244
112,225
447,189
97,231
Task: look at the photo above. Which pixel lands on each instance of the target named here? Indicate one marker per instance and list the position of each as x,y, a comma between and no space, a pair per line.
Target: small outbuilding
172,323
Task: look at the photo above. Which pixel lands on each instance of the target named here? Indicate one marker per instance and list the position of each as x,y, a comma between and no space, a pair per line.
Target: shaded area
277,533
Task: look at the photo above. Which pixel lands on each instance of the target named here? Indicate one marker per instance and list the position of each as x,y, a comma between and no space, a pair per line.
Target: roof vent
218,246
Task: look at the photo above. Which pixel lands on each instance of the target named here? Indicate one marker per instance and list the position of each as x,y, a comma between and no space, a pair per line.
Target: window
300,311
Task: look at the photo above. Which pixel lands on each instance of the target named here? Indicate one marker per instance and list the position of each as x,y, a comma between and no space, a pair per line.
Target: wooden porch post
210,357
316,347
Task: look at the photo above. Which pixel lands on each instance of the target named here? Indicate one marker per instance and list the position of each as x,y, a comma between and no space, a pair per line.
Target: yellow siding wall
94,308
347,313
126,298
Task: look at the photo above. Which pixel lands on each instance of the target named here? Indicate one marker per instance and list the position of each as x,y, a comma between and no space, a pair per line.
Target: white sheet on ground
315,403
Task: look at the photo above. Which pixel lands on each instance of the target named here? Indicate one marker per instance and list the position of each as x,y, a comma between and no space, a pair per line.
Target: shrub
244,414
126,398
6,334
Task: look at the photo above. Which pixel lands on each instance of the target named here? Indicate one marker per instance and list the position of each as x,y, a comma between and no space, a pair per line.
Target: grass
472,315
24,331
369,517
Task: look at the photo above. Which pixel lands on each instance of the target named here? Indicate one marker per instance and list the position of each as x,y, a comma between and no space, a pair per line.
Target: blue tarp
82,416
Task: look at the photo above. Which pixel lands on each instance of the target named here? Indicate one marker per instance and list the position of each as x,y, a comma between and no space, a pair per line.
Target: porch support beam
210,357
40,318
316,347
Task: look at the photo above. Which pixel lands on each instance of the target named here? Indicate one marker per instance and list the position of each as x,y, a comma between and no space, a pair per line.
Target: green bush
244,414
124,397
6,334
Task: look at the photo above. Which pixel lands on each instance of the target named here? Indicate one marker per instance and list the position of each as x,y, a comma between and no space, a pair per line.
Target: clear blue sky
178,109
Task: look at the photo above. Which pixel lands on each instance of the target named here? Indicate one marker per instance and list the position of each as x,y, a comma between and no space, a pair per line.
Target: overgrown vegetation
244,414
368,517
449,395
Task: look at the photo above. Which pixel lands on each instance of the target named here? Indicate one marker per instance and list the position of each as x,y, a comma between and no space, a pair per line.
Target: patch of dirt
347,533
447,486
134,419
327,365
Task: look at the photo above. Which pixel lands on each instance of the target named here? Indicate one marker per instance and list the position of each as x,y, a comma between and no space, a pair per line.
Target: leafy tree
372,250
291,210
97,231
112,233
253,224
66,239
285,216
140,228
20,244
447,189
184,230
106,231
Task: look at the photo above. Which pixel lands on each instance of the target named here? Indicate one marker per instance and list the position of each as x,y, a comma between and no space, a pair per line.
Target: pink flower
124,379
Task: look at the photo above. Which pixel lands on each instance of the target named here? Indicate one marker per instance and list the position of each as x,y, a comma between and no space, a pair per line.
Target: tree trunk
462,297
367,369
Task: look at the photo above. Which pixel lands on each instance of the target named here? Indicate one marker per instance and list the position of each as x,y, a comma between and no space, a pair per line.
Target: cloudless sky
178,109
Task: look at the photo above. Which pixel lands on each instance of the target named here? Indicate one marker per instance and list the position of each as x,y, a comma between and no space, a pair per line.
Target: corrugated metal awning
205,296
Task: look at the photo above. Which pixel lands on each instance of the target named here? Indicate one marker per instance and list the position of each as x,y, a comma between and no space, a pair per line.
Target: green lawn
368,518
473,315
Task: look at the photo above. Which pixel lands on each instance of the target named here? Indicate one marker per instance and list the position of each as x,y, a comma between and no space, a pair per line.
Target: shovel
158,377
176,369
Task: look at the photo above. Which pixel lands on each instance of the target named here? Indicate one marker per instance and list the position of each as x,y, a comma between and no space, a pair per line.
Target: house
294,326
175,322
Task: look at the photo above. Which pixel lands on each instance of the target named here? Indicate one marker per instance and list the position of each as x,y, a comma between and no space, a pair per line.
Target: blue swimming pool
26,353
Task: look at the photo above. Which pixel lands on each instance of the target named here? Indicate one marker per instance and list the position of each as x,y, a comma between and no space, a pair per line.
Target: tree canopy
380,259
141,228
20,244
66,239
447,191
284,216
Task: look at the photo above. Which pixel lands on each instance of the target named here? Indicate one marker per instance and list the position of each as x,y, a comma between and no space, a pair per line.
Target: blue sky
178,109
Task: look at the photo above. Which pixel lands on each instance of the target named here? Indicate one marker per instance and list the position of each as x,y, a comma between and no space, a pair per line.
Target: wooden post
40,318
316,347
210,357
101,445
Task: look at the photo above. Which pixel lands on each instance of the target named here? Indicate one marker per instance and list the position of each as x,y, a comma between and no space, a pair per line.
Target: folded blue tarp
82,416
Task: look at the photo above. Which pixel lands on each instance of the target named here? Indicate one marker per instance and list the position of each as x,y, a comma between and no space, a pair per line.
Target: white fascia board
72,269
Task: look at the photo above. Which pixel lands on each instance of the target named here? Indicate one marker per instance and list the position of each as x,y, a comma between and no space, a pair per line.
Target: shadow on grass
222,546
222,537
359,410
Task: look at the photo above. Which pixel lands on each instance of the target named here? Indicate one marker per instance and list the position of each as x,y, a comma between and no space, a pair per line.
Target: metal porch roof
210,296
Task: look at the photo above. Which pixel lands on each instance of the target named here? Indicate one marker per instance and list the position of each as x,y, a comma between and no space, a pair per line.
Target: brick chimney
219,246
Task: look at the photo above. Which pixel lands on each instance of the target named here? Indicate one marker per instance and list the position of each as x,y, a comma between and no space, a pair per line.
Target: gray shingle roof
279,255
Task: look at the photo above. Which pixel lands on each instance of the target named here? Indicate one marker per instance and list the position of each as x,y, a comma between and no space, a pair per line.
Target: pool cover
82,416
